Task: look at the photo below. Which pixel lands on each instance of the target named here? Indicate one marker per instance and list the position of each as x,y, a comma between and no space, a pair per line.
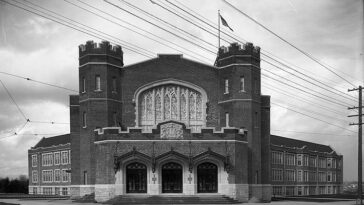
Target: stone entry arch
172,179
207,178
136,178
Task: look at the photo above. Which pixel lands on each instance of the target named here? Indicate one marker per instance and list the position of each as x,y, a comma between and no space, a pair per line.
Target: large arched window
171,102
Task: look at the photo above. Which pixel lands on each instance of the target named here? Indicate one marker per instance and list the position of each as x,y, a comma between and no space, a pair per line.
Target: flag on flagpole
223,21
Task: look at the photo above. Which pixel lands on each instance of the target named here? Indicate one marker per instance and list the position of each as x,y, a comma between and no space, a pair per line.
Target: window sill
84,127
83,92
242,91
97,91
226,93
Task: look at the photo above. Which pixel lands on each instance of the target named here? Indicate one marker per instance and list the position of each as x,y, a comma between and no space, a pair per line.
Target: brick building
304,168
167,125
49,163
170,125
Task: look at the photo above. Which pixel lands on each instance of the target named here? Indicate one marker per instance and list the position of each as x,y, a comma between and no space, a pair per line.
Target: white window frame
97,83
59,175
65,174
34,160
63,159
47,159
35,172
59,158
299,160
226,86
83,85
276,172
47,176
227,119
299,175
84,119
242,84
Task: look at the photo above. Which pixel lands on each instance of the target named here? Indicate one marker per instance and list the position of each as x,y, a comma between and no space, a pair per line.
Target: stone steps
172,199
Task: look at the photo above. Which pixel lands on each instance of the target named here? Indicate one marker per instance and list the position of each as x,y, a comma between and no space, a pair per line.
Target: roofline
31,149
181,55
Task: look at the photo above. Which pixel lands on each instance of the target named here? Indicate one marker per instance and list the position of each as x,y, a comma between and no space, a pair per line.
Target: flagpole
218,19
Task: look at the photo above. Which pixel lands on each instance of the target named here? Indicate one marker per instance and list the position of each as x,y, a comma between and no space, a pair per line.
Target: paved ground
65,202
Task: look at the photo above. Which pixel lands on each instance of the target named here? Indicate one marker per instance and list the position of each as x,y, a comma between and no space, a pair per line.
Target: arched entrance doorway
207,178
172,178
136,178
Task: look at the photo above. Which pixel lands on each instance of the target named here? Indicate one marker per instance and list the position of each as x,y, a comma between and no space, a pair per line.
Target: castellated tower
240,88
97,105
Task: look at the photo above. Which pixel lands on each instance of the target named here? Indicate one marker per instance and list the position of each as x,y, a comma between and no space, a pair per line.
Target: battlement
237,49
100,48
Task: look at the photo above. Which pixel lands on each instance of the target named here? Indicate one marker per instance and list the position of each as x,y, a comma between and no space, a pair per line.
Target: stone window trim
226,86
84,119
170,81
98,83
59,175
47,176
65,160
242,84
47,159
34,160
57,160
65,176
35,176
83,88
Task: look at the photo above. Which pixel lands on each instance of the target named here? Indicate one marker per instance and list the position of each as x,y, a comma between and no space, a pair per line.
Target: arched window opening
171,102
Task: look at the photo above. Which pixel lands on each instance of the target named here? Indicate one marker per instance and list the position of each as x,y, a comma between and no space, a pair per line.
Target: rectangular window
47,159
277,190
277,157
299,176
57,175
334,177
34,160
47,190
97,83
299,191
114,84
290,175
57,158
47,175
64,191
227,119
65,175
242,84
35,190
329,162
322,163
84,119
226,86
305,160
329,176
333,163
322,177
35,176
290,159
64,157
277,175
299,160
84,177
83,85
305,176
57,191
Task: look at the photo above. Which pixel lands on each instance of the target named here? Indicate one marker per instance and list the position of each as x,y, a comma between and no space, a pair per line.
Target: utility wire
137,32
166,30
29,79
75,28
266,55
284,40
312,117
12,99
270,86
286,79
310,133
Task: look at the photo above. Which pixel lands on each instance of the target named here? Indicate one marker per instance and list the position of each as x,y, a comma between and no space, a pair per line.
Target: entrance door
136,178
207,178
172,178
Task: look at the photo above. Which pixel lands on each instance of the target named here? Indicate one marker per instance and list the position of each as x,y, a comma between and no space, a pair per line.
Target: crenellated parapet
237,49
92,51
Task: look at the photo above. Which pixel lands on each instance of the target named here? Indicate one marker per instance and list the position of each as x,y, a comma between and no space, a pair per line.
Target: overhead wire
289,43
139,28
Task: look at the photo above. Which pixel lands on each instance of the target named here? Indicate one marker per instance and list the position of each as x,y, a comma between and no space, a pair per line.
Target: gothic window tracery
171,102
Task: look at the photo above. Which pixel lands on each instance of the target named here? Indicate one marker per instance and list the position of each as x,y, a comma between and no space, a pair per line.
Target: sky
329,31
